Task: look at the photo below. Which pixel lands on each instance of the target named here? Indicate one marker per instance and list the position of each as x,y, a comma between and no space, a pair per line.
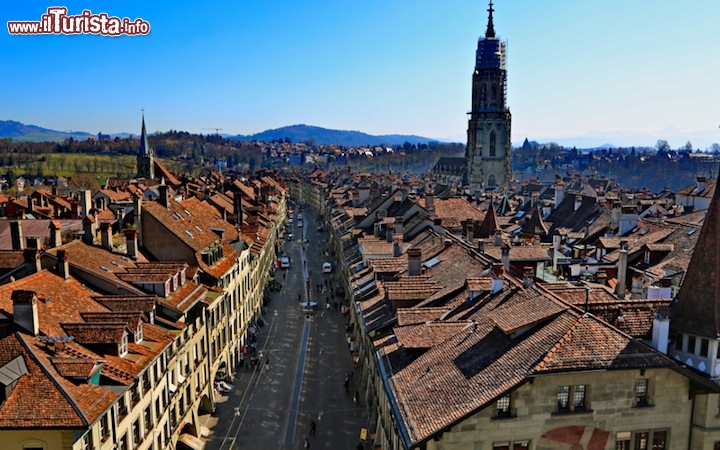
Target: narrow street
272,407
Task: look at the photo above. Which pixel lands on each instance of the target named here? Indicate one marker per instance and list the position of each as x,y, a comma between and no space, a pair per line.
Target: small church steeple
145,155
144,145
490,33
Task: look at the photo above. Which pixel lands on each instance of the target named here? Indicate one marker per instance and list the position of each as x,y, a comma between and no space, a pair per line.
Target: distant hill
318,135
21,132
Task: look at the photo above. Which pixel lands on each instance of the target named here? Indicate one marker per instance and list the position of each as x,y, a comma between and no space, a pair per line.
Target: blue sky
624,72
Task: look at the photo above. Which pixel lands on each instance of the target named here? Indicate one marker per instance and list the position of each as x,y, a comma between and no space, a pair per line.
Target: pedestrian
347,385
267,364
352,375
306,444
313,427
356,397
360,446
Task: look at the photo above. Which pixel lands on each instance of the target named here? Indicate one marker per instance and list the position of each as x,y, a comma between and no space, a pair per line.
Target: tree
688,147
662,146
715,148
83,181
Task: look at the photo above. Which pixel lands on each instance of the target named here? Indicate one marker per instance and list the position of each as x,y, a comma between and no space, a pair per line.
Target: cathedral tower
145,156
487,154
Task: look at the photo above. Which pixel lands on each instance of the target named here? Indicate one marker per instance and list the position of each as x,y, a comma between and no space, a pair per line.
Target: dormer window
139,333
123,347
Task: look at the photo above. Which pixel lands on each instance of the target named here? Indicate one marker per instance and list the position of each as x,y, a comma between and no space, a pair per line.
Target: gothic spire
144,144
490,33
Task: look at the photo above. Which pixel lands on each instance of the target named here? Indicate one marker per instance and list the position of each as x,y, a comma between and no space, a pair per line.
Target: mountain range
318,135
21,132
295,133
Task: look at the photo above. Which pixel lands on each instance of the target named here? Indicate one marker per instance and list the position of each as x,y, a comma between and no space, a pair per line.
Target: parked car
327,267
285,262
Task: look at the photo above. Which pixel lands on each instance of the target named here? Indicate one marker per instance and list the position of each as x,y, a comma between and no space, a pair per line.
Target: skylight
187,212
105,268
198,228
691,232
189,233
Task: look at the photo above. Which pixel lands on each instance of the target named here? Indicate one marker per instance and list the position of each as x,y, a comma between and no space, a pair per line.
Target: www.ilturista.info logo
56,21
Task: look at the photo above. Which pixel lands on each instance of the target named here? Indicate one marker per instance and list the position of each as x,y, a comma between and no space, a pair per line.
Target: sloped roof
698,302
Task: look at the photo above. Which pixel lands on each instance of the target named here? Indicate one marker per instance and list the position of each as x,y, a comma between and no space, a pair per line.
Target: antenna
217,130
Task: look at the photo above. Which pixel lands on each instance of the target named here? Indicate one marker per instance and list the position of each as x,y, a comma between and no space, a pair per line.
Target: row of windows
641,440
689,344
575,398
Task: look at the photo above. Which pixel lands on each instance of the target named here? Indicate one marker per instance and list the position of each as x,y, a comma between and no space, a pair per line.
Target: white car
327,267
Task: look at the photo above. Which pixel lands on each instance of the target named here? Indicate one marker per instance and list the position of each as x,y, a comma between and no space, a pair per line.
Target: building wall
47,440
163,245
611,410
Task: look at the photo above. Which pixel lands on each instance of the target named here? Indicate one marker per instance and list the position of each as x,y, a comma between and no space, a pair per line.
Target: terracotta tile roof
192,222
96,333
698,302
10,259
510,336
427,335
185,297
37,401
414,316
98,261
590,344
453,211
74,367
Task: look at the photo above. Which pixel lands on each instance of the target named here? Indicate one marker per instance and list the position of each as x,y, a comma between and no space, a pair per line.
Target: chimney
601,277
578,202
106,236
586,229
388,232
164,197
622,269
498,278
85,202
63,264
505,257
701,184
89,228
528,277
470,230
535,196
481,246
498,237
238,208
661,329
16,235
414,261
430,204
25,311
437,226
397,246
399,225
55,233
137,211
628,219
32,259
559,192
131,237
